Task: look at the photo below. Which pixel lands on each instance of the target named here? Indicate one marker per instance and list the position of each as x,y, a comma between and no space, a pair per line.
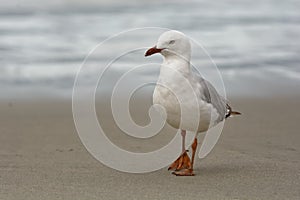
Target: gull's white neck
175,64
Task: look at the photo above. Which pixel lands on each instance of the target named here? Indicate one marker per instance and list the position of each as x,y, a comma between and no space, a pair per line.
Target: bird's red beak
152,50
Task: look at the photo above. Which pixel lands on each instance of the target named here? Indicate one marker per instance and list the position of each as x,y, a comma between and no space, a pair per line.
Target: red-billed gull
179,90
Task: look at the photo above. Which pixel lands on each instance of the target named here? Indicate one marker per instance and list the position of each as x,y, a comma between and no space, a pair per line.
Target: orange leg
189,171
183,161
194,148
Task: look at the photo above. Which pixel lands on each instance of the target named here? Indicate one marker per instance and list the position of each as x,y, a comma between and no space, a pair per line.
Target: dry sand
257,157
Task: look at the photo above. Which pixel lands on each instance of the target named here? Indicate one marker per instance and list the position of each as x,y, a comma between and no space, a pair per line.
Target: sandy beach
257,157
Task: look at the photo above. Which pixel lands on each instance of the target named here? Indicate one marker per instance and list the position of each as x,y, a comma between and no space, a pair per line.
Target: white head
172,43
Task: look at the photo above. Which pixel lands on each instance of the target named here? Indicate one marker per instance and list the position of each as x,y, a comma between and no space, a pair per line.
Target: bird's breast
173,107
167,99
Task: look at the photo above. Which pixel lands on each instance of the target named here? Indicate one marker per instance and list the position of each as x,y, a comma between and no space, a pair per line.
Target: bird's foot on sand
184,172
182,162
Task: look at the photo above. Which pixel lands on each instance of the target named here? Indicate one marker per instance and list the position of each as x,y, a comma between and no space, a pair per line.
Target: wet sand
257,157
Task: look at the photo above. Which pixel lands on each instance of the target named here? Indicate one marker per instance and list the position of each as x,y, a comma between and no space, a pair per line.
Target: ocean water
255,44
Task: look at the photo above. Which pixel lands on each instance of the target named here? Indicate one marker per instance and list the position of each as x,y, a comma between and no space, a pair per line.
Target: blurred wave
43,44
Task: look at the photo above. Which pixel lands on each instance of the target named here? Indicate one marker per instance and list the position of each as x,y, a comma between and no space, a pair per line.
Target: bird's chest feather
173,92
181,99
165,97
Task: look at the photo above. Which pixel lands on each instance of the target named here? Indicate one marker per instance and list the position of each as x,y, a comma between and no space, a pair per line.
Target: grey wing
210,95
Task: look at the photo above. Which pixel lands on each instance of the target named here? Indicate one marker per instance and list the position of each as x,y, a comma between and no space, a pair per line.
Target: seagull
180,88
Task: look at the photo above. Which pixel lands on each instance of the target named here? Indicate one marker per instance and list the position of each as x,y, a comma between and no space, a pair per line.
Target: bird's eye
172,42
